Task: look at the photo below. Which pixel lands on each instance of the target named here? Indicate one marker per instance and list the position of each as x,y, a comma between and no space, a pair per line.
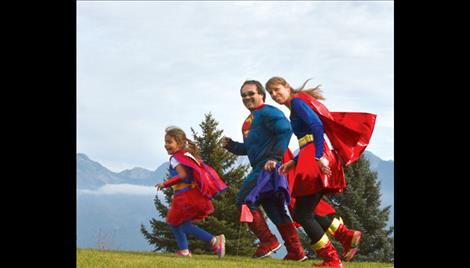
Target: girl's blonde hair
315,92
181,139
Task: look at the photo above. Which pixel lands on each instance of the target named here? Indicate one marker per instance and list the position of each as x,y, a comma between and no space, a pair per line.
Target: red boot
327,252
267,241
294,248
349,238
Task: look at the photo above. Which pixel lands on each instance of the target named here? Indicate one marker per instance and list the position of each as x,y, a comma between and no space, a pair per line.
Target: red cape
349,133
206,177
322,208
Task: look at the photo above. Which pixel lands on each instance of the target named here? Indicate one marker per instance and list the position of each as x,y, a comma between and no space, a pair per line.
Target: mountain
92,175
385,174
111,206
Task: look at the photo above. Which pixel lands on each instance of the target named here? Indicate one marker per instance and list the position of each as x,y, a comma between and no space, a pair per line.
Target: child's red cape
206,178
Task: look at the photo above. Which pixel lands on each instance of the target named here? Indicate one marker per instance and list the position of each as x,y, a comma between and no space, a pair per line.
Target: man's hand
286,167
225,141
270,165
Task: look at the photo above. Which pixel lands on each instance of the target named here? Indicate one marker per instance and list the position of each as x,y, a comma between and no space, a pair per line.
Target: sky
143,66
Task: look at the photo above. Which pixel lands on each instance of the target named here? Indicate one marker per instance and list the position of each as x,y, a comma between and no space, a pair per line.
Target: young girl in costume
318,169
194,184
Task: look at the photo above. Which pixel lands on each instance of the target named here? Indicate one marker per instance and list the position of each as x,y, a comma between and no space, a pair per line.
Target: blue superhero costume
266,136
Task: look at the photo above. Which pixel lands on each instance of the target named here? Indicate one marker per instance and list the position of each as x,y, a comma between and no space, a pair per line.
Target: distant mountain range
112,205
92,175
385,174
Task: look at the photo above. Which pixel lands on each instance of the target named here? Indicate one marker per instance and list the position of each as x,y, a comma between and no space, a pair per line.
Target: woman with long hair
319,168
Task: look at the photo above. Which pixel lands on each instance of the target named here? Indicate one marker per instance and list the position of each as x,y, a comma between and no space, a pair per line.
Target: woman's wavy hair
315,92
181,139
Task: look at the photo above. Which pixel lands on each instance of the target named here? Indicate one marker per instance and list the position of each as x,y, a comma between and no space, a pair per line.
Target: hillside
100,258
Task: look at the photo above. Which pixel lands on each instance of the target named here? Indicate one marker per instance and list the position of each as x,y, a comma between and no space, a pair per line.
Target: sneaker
295,257
181,253
219,245
264,250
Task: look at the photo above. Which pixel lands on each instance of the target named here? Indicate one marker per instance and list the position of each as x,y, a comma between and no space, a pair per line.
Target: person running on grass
194,184
318,168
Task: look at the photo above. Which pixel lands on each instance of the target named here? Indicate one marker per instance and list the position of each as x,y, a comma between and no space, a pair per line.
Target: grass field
106,258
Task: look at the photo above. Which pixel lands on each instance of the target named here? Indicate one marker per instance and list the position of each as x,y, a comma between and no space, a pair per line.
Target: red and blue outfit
192,196
191,199
266,136
348,133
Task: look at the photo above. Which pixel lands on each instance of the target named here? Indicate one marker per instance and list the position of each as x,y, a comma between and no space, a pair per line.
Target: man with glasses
266,136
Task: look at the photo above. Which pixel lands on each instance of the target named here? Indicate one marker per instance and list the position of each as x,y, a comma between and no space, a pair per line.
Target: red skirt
308,177
189,205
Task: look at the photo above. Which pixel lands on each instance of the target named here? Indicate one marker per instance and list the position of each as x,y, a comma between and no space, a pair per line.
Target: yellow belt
183,185
305,139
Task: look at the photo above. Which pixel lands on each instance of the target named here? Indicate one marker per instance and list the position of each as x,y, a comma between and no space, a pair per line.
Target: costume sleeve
313,122
174,162
172,181
236,148
277,123
175,179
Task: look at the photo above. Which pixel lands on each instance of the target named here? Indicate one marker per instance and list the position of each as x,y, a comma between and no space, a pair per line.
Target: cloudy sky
142,66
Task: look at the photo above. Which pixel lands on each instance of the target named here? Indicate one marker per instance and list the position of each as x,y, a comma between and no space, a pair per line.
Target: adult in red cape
319,168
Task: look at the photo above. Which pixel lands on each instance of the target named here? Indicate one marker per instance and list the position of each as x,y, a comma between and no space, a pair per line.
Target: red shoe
295,251
264,250
267,241
327,253
294,257
329,264
349,239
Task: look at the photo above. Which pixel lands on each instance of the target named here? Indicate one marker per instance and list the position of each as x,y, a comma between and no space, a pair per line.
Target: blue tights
182,230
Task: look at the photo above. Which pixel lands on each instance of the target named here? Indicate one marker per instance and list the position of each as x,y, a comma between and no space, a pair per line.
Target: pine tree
359,206
225,218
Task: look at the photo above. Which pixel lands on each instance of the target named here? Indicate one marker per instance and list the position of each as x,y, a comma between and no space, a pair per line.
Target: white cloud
128,189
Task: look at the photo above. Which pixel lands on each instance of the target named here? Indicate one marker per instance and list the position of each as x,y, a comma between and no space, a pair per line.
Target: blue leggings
182,230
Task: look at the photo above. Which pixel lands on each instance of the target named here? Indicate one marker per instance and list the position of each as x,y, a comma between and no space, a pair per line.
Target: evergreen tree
359,206
225,218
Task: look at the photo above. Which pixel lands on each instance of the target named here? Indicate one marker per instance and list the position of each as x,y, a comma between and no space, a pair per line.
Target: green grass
107,258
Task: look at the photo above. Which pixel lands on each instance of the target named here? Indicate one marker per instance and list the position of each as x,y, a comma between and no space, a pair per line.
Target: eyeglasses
248,94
